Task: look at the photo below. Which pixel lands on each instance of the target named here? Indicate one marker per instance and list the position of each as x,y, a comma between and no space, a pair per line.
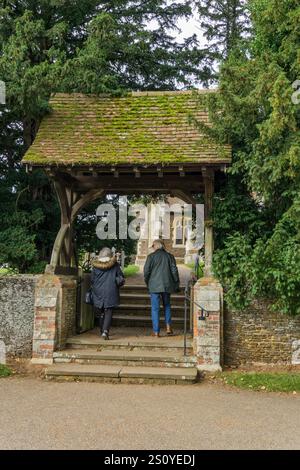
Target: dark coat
106,280
161,273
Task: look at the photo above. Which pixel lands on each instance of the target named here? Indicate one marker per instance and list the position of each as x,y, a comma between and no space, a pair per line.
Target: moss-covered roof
146,128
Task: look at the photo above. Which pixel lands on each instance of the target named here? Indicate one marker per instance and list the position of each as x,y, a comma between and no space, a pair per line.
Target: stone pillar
54,315
2,352
208,178
208,333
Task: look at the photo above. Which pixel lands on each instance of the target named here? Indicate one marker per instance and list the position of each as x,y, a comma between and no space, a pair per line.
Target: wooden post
208,178
63,259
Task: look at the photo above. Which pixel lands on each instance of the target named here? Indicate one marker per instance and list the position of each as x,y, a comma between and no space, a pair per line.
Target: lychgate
143,142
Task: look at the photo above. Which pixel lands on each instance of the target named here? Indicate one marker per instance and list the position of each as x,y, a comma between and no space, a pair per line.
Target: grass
4,371
269,382
4,271
192,267
7,271
130,270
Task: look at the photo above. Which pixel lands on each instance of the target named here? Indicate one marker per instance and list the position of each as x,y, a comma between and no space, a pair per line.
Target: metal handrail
203,312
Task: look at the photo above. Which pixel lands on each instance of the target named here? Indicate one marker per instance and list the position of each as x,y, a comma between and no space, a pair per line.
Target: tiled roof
145,128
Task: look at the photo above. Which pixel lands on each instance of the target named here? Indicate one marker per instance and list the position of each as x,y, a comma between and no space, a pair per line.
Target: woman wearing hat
107,278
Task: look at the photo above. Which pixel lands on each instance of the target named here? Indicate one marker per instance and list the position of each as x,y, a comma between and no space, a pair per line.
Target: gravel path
36,414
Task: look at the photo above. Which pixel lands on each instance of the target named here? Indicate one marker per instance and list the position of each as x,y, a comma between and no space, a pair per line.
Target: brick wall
251,336
55,315
257,335
17,313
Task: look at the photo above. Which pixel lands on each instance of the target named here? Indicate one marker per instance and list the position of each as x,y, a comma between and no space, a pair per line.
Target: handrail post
185,318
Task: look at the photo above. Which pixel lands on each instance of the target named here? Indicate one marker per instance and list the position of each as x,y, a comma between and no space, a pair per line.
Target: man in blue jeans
162,279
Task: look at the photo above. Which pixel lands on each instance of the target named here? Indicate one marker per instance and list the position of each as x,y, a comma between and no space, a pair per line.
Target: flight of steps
131,355
139,360
135,309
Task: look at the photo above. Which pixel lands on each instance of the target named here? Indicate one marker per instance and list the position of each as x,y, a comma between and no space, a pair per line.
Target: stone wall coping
22,276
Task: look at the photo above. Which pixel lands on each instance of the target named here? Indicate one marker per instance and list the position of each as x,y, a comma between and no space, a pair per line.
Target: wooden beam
208,177
58,246
185,196
71,204
84,201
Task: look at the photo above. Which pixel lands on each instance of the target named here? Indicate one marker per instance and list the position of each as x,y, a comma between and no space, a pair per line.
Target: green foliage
257,215
4,371
225,25
269,382
122,53
131,270
86,240
80,45
198,269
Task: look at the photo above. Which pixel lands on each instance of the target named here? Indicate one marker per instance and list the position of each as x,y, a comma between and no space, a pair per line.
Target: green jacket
161,273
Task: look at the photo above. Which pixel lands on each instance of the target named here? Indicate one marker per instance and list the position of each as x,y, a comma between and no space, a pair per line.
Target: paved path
36,414
133,336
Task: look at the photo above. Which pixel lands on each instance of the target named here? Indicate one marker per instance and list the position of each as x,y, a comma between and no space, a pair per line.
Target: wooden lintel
141,184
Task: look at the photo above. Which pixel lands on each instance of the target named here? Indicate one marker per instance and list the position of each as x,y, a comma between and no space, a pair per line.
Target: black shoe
105,335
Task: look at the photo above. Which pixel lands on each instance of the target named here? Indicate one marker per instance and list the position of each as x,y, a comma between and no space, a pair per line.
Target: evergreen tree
257,217
72,45
224,23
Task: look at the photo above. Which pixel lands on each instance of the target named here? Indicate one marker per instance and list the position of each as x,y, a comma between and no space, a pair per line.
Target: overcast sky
190,27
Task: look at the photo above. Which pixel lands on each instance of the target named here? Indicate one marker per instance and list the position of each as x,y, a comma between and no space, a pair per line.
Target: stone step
170,344
142,289
144,299
127,318
138,357
143,307
145,311
141,315
119,374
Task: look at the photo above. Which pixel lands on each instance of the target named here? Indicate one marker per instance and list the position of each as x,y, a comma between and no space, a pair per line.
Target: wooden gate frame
77,188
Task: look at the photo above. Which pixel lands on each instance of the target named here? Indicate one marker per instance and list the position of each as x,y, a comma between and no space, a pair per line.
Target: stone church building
179,243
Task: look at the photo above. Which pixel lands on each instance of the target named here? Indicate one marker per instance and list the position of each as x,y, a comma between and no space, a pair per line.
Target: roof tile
152,127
